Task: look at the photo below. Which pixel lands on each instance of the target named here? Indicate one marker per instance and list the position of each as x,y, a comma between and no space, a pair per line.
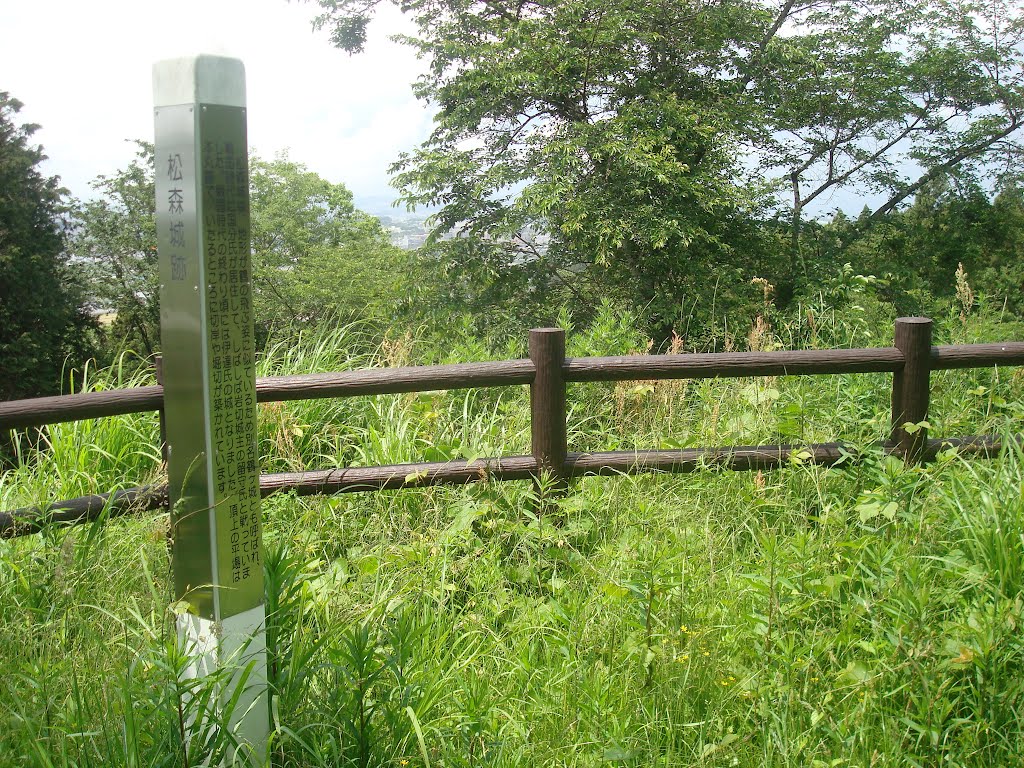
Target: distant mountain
383,205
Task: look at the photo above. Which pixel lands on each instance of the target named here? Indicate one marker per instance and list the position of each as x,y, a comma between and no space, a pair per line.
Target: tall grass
92,456
869,615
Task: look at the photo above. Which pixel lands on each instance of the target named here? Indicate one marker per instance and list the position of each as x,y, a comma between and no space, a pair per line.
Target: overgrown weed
867,615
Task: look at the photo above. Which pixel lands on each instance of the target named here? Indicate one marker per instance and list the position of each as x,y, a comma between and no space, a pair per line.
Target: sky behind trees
83,72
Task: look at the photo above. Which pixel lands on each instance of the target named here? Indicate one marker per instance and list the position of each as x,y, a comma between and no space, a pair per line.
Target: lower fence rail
85,509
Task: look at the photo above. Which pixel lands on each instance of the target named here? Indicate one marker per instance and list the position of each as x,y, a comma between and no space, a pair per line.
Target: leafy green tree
918,252
889,97
574,155
640,143
1001,273
116,238
314,255
44,327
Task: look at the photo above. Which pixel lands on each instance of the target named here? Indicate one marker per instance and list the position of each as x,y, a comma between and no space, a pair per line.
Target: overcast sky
83,69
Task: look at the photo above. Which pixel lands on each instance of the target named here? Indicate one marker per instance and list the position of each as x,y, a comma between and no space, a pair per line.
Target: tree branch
948,165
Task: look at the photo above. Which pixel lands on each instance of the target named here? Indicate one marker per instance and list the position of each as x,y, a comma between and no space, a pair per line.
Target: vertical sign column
202,190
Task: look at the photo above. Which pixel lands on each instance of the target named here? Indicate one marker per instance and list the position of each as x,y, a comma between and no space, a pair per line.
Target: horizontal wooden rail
784,363
390,381
977,355
733,364
26,520
83,509
420,475
749,458
18,414
37,411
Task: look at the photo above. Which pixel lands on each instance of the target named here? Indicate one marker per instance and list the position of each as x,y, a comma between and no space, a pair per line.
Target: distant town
406,232
407,229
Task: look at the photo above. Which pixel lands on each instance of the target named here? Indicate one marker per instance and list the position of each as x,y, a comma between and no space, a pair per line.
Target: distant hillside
383,206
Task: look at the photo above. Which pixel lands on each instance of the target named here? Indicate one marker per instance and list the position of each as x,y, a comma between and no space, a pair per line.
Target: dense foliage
917,253
45,330
115,238
640,151
315,257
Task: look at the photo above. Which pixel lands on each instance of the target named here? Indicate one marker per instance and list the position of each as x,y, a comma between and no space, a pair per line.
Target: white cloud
83,71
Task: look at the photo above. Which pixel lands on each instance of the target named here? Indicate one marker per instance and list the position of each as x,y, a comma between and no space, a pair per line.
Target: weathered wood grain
739,458
419,475
19,414
911,386
547,402
977,355
84,509
383,381
733,364
36,411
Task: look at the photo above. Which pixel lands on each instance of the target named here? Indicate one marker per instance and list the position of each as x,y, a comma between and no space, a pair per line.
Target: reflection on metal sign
209,364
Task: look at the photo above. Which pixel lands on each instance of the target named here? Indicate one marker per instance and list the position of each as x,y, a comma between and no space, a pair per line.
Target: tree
44,327
1001,275
641,139
918,252
314,255
574,155
888,97
116,238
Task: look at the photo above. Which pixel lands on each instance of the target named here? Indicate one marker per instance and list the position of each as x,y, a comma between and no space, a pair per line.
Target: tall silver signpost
202,195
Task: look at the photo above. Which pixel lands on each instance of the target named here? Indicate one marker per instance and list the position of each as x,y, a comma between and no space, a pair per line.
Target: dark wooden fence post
547,403
158,369
911,386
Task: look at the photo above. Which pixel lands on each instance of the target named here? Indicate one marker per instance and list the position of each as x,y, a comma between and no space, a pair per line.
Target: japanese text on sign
176,207
235,480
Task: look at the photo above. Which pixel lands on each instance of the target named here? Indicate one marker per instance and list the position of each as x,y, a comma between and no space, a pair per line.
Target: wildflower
684,629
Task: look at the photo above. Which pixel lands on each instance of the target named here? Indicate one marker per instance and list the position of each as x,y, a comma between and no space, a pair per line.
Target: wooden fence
911,360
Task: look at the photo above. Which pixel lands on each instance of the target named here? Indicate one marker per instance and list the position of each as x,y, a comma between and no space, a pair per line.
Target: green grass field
864,616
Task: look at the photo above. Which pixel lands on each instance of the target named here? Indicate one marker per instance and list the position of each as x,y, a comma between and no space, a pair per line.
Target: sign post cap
202,79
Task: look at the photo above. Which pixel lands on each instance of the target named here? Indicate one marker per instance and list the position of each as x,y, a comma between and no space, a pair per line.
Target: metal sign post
202,197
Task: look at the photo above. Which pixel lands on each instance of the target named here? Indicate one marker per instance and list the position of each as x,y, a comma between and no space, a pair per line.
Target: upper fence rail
39,411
